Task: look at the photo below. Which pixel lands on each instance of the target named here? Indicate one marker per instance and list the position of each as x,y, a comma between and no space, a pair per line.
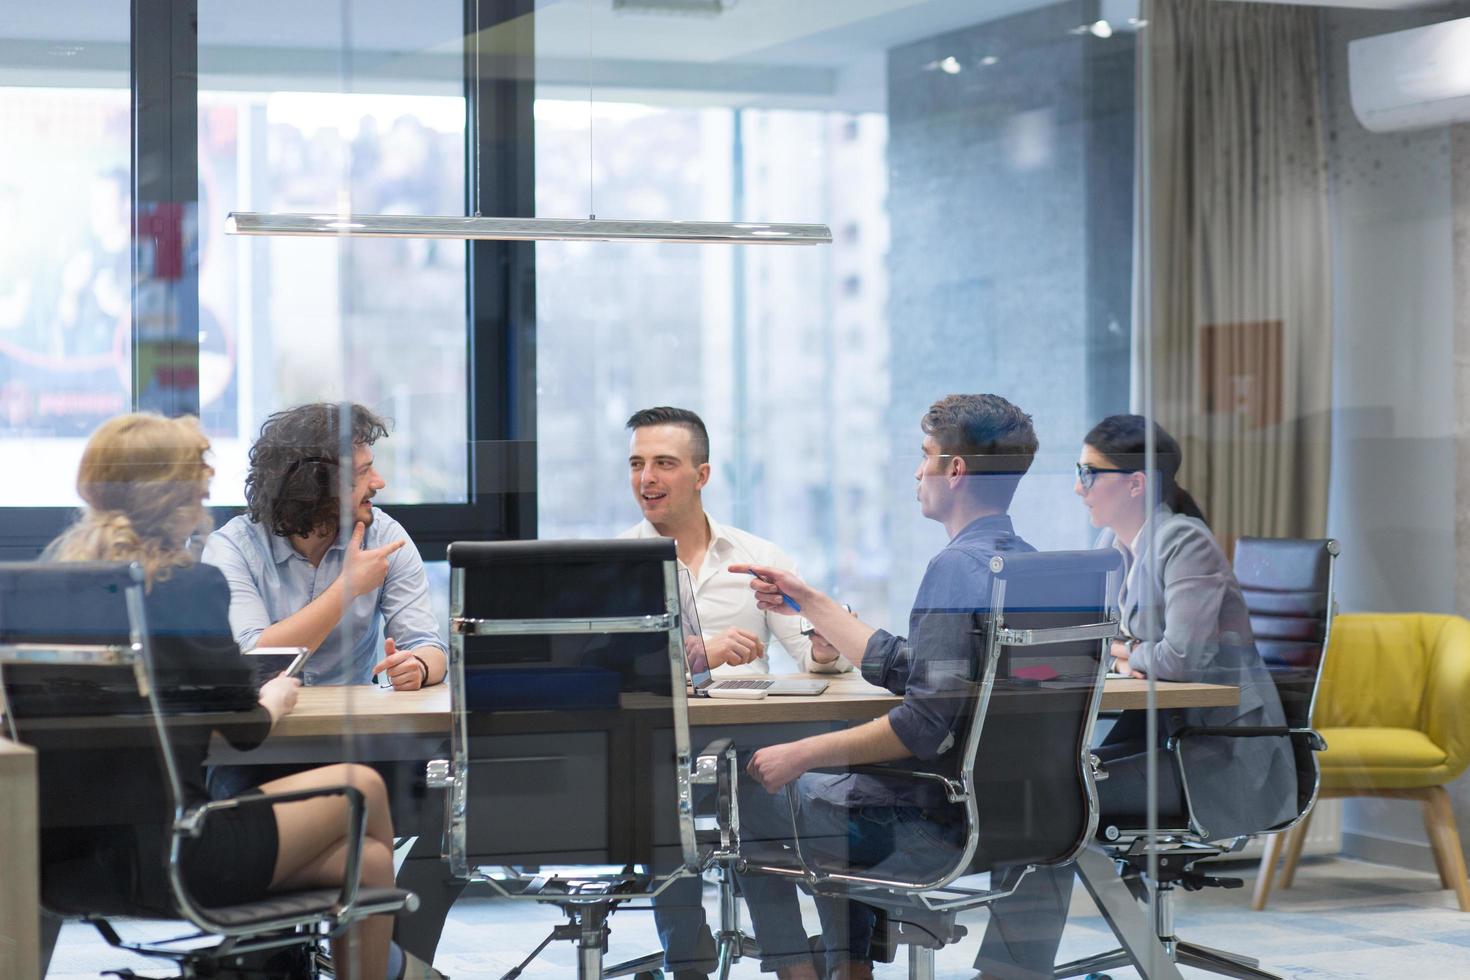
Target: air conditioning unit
1411,79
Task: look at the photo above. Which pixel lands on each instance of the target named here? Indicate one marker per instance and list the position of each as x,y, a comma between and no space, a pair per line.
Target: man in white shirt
668,467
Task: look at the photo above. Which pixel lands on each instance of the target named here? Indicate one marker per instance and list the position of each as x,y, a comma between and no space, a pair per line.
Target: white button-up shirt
725,599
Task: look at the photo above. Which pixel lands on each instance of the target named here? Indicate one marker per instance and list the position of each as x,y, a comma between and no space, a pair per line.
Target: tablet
267,662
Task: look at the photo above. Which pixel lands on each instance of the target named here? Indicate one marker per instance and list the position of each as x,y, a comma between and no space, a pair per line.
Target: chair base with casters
1439,823
922,931
731,943
1176,862
587,906
289,951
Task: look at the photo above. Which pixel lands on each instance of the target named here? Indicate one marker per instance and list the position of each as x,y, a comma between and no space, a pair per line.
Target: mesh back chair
1022,784
567,685
1287,586
81,686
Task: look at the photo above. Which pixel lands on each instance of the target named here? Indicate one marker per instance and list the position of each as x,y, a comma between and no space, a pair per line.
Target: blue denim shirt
931,668
270,580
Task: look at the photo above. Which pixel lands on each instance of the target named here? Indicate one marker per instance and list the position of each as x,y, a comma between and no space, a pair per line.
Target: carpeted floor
1342,919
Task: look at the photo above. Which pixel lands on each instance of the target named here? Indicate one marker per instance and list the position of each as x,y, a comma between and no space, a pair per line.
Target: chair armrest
716,765
1314,739
707,762
192,825
954,791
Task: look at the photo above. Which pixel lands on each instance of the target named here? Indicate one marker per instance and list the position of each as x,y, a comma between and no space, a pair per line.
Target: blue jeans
889,841
678,914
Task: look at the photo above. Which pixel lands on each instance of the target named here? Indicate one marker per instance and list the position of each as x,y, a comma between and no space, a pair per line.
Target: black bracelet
425,681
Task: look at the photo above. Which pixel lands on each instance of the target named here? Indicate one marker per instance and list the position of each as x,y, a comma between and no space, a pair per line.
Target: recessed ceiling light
1100,28
950,65
988,60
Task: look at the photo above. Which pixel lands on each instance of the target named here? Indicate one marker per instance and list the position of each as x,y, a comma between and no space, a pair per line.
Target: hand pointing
366,568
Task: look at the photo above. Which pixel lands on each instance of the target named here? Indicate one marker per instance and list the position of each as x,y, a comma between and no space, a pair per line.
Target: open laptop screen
694,653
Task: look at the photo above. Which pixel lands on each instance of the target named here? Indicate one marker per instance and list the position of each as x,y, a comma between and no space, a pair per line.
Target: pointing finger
391,547
357,534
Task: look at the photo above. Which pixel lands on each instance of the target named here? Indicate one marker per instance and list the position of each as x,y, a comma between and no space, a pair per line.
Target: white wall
1393,449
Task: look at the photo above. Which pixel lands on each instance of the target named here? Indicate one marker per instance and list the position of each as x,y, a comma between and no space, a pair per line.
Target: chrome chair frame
1181,847
588,900
941,894
264,934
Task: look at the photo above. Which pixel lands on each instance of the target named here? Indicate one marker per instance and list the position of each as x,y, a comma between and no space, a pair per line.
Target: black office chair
570,739
1022,785
79,683
1288,589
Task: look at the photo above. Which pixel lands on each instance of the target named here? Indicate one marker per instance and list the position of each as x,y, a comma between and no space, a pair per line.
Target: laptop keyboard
744,685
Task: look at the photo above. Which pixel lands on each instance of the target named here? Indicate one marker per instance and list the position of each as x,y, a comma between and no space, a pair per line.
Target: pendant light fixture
524,229
465,227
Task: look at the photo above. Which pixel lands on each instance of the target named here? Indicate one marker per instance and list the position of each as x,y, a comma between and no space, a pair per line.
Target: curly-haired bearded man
302,573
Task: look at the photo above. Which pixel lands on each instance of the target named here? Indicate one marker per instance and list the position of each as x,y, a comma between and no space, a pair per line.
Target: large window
976,176
338,113
783,352
65,258
306,320
317,109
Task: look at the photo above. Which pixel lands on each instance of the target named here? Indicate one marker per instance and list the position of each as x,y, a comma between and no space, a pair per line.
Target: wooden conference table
325,715
337,711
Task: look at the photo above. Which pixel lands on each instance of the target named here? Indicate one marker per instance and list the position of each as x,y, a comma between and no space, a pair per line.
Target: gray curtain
1236,294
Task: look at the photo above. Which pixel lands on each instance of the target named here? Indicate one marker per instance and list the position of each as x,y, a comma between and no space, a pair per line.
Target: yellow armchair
1394,707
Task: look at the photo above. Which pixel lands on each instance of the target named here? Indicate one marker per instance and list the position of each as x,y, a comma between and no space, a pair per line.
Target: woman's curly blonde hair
143,478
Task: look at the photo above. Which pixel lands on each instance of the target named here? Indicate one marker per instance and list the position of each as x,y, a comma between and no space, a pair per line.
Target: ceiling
822,53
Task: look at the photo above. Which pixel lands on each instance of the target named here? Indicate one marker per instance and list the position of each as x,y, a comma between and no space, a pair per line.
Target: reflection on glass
724,334
65,281
286,321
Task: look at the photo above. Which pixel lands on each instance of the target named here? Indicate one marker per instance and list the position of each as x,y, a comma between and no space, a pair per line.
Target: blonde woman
144,479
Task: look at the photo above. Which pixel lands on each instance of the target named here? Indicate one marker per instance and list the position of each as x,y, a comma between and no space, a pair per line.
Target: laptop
703,683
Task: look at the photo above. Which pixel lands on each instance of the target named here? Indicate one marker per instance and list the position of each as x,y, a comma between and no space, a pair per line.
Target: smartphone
807,629
267,662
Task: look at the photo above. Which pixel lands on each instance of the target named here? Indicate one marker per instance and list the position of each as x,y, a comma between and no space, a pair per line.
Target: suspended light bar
525,229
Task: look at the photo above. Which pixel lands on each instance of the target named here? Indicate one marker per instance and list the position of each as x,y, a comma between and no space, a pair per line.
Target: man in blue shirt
297,580
975,450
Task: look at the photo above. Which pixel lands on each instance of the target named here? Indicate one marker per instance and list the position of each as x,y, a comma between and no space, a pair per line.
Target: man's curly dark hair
294,465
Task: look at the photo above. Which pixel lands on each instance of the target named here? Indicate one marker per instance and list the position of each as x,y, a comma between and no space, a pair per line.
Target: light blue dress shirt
269,581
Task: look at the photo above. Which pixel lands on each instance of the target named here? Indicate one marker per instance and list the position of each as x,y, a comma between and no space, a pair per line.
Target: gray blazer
1191,624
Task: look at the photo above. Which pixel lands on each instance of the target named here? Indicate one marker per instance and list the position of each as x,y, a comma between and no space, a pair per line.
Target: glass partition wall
1212,252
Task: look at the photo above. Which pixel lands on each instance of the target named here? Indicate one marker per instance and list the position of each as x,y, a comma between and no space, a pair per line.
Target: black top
200,669
104,805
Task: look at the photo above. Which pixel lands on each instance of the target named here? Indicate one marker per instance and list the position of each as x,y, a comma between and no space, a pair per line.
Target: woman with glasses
1183,619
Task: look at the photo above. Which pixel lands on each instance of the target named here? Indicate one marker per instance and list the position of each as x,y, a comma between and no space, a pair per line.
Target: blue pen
784,597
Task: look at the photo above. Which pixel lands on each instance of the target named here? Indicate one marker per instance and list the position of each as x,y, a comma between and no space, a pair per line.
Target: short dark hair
292,484
996,438
665,415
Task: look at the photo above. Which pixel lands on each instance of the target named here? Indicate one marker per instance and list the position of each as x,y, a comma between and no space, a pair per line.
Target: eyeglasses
1087,474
